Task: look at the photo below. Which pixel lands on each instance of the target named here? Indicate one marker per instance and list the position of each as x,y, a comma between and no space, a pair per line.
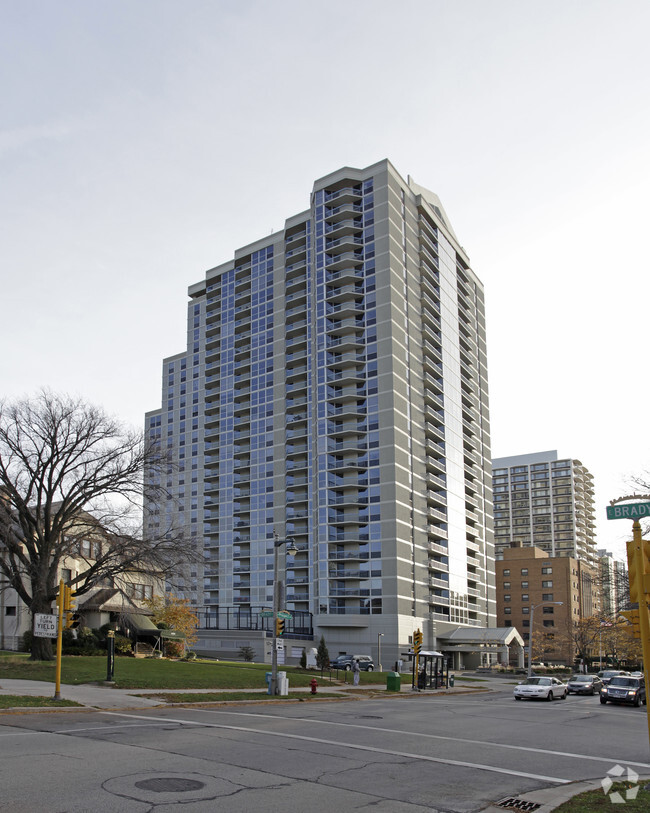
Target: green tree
247,653
322,655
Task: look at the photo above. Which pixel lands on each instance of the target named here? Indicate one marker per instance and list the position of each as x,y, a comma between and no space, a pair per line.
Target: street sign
45,626
634,510
266,613
284,614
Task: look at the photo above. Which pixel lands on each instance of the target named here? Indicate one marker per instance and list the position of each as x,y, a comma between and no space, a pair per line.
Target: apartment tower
334,390
544,502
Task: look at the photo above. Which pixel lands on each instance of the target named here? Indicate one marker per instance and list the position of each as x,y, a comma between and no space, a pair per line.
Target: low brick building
529,584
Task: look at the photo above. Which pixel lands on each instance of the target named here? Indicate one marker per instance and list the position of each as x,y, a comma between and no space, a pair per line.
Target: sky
142,142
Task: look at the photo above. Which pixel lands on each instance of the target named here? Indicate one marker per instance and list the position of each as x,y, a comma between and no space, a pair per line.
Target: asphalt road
398,755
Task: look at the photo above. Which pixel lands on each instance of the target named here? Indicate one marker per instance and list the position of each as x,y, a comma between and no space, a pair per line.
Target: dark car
585,684
366,663
607,674
623,689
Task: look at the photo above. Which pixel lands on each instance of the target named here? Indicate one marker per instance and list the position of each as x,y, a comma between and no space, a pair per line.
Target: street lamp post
292,550
530,634
380,635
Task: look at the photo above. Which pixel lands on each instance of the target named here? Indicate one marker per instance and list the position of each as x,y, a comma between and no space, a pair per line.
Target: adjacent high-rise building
334,390
544,502
614,584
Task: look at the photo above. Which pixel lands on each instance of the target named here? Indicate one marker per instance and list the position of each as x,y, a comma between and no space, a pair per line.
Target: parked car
366,664
607,674
624,689
541,688
584,684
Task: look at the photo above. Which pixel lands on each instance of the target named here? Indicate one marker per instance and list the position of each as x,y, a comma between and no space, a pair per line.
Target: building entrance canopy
483,640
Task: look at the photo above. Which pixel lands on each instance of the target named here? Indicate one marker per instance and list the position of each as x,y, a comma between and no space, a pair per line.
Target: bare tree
69,472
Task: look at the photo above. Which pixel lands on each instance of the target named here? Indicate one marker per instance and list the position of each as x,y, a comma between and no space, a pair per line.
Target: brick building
528,580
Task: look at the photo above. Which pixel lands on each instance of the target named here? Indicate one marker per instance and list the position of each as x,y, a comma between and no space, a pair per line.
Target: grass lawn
159,673
9,701
596,801
219,697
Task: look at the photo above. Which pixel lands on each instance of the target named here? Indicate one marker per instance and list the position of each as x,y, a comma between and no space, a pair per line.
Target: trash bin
451,680
393,682
268,682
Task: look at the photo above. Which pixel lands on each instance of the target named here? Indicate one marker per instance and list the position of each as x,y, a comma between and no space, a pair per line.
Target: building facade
614,584
334,390
544,502
110,601
555,592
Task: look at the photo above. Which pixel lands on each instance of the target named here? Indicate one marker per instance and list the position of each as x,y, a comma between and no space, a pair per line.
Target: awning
174,635
141,624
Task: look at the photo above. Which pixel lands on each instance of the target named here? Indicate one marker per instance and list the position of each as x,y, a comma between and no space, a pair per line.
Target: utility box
393,682
283,684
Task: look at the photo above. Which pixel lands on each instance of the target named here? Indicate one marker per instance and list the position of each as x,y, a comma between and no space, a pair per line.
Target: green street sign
284,614
635,510
266,613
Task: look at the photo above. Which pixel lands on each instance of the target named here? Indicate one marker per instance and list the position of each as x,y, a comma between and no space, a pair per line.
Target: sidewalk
98,697
107,697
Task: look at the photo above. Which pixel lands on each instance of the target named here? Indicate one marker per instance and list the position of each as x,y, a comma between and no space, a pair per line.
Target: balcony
344,226
343,195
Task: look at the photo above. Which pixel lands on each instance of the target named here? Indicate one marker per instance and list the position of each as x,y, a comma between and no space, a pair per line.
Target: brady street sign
635,510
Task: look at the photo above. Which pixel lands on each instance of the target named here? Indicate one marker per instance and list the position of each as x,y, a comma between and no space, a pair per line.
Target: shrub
247,653
28,637
174,649
123,645
303,659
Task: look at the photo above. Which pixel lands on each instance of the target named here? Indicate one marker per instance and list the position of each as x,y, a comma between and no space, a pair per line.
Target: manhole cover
170,784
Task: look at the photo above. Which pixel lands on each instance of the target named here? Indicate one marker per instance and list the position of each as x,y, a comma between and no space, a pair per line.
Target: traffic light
72,617
634,575
645,555
279,627
417,642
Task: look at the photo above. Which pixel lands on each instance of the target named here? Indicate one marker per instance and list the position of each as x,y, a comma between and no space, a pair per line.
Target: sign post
638,566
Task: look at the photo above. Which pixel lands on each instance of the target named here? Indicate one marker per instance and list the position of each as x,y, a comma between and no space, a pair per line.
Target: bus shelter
430,671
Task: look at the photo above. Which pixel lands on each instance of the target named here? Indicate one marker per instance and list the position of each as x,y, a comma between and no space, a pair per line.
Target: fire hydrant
314,685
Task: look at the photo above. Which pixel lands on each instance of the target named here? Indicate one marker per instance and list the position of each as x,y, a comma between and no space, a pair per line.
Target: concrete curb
548,799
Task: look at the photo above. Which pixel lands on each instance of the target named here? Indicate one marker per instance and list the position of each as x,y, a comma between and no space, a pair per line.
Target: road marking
353,746
76,730
571,754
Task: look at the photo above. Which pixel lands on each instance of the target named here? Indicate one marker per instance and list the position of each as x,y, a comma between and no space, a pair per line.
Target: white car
541,688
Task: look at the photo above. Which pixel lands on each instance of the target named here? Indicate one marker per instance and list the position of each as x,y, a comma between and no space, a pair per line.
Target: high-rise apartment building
544,502
334,390
614,584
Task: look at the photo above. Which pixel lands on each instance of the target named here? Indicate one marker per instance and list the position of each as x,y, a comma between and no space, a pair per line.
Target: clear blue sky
141,143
